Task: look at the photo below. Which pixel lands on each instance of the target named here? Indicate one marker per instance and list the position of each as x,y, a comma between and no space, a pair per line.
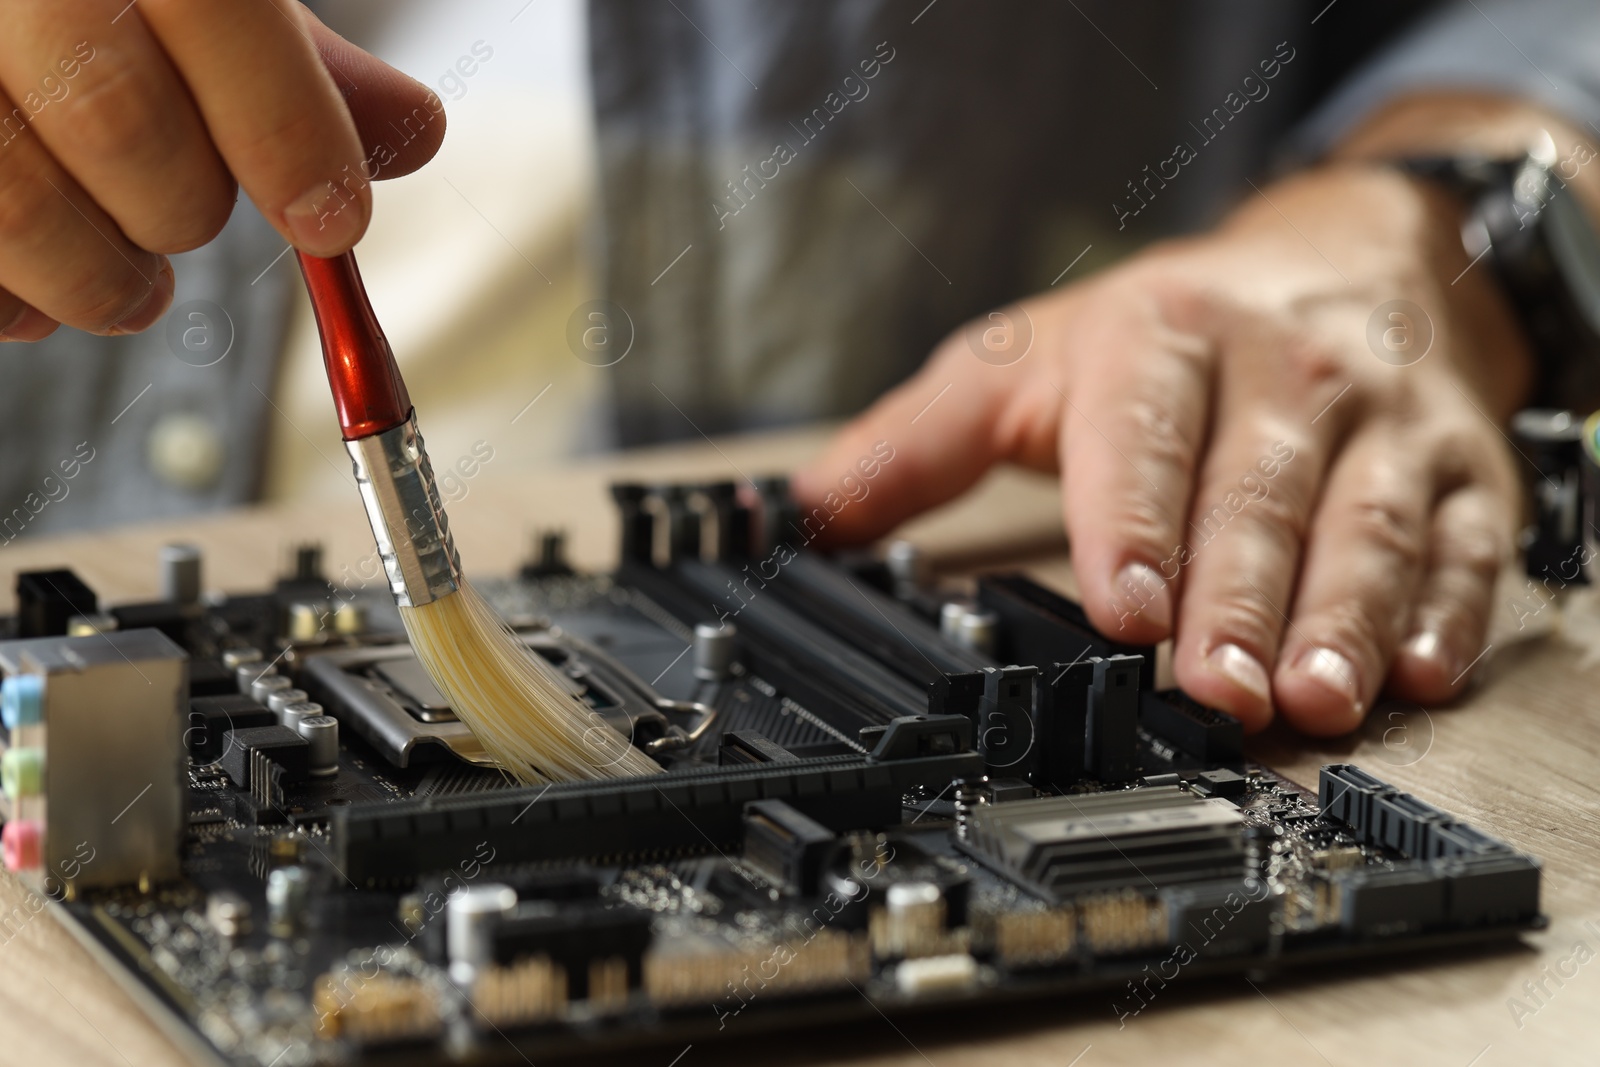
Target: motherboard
878,795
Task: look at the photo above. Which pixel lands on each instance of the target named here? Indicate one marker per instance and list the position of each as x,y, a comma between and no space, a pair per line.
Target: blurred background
475,262
657,221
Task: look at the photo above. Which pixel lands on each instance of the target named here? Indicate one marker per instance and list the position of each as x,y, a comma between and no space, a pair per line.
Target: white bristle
509,697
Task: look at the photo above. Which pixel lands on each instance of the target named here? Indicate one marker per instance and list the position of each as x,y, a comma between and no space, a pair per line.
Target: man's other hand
1279,444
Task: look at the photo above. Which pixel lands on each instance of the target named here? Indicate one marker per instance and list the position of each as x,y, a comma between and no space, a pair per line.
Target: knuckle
1162,280
1387,526
1354,628
27,205
1282,513
297,150
110,297
1140,521
112,116
201,219
1162,436
1478,550
1244,616
94,294
1314,367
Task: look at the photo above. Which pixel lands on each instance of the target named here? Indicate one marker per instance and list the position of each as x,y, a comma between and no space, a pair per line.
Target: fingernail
1429,645
1242,669
326,219
154,306
30,325
1333,671
1145,594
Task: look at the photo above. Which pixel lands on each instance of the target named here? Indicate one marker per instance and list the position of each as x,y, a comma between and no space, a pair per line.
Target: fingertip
1425,670
831,514
32,325
1136,605
328,219
1230,679
154,307
1320,692
400,120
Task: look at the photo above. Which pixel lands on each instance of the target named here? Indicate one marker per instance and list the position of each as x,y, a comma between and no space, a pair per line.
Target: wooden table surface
1520,757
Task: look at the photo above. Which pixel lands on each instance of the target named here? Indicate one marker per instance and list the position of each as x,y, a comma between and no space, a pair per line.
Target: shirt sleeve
1545,51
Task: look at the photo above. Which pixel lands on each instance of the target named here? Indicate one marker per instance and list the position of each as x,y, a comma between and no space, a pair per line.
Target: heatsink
1146,839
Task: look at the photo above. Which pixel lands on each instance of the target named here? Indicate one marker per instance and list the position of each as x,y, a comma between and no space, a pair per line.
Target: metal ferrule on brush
408,520
380,433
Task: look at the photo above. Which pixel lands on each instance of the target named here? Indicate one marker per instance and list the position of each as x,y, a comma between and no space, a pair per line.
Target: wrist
1371,233
1482,125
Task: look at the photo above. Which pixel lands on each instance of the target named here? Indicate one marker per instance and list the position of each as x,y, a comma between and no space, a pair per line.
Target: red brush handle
368,392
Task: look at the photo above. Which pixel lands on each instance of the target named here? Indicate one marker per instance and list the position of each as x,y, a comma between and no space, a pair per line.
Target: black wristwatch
1528,228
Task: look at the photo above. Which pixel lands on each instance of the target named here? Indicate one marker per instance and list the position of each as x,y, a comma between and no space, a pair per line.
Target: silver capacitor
288,891
469,926
350,619
950,618
264,686
180,573
234,658
246,674
293,715
979,630
91,625
279,699
306,620
322,734
908,567
715,648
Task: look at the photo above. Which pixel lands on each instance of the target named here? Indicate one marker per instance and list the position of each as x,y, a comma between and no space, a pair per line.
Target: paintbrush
509,696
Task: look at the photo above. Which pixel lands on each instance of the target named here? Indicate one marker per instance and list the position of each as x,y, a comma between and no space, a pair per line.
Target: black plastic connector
47,599
394,842
912,736
638,526
574,937
1212,737
747,746
790,848
1063,724
1006,734
1490,889
1481,890
1112,742
1389,902
1380,815
1219,919
956,694
170,618
1039,627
